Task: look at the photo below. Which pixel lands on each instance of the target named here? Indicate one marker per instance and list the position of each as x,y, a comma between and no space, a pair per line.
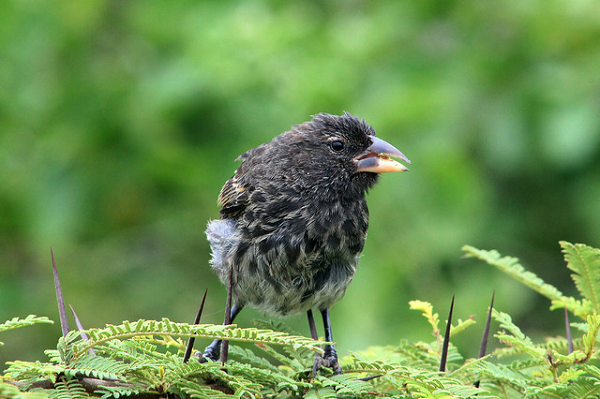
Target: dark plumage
294,218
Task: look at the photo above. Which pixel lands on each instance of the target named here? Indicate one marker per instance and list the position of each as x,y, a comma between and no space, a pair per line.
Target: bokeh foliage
120,122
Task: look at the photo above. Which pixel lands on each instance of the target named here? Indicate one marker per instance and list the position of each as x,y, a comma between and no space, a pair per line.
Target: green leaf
147,329
71,389
427,310
515,337
513,268
589,339
16,322
461,325
581,308
10,391
584,261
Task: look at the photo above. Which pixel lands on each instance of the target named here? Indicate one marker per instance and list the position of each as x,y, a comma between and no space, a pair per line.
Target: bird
294,219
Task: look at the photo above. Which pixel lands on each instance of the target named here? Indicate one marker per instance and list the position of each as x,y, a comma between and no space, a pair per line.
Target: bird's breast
306,235
302,256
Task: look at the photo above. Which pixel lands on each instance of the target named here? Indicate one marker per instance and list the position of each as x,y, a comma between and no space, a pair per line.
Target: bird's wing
235,194
234,197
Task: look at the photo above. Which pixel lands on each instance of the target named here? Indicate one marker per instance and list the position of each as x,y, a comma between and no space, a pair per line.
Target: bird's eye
337,145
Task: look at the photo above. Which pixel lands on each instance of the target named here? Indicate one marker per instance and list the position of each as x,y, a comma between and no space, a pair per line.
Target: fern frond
238,383
515,336
419,355
513,268
501,378
585,387
16,322
427,310
559,344
277,381
345,385
459,389
589,339
249,357
299,356
11,391
357,364
29,372
165,327
414,381
195,390
428,384
461,325
54,355
584,261
571,374
580,307
98,367
30,320
551,390
110,391
281,358
591,370
583,327
275,325
130,350
70,389
321,393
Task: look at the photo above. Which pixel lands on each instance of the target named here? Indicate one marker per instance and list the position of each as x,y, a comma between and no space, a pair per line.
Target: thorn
568,328
369,378
486,333
225,343
62,313
190,344
80,328
486,329
446,343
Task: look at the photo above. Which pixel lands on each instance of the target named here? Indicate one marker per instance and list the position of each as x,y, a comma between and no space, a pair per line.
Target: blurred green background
120,121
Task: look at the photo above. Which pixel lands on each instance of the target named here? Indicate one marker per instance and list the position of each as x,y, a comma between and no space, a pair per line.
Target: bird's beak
376,158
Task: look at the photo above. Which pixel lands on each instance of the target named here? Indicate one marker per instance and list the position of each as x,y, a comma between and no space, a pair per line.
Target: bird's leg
311,325
313,333
213,351
330,358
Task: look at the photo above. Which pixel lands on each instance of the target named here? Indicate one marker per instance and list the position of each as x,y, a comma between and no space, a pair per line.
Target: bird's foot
212,352
200,356
329,359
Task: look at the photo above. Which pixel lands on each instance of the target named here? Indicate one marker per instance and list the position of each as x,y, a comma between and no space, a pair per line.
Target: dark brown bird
294,219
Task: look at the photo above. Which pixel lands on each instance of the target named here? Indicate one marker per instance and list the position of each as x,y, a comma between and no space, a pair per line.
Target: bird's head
342,151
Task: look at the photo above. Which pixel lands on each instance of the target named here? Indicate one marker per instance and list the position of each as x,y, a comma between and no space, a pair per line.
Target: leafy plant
551,368
145,357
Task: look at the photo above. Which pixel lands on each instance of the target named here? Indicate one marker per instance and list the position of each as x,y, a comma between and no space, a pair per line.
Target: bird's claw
202,358
210,353
330,360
